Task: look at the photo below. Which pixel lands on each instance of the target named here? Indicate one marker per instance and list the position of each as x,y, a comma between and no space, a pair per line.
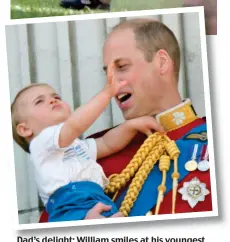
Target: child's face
40,108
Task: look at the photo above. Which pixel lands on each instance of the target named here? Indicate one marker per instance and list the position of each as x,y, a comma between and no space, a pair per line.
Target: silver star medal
193,192
203,165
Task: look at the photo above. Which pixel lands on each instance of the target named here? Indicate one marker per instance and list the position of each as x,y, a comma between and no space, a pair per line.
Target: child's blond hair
16,117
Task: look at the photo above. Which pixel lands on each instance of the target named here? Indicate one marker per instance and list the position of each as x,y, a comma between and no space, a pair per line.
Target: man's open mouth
123,97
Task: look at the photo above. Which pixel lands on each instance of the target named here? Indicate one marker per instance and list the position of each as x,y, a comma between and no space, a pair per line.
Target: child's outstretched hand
146,125
113,85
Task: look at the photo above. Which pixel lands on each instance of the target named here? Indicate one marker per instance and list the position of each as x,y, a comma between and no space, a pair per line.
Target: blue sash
73,201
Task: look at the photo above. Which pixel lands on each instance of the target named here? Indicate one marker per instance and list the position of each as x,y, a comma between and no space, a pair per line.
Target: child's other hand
145,124
113,85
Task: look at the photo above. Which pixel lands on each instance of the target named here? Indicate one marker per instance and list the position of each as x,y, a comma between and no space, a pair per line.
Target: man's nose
118,77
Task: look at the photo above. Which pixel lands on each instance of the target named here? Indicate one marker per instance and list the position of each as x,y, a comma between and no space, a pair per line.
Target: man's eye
122,67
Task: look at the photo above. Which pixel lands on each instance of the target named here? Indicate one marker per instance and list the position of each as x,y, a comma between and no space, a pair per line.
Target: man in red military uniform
147,56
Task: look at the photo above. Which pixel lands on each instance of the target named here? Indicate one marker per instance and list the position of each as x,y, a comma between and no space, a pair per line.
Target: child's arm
84,116
116,139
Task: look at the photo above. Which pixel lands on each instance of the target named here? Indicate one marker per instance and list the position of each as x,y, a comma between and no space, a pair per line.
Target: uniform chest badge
194,192
201,136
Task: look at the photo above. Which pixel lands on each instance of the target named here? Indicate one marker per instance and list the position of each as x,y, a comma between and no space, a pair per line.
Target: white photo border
214,212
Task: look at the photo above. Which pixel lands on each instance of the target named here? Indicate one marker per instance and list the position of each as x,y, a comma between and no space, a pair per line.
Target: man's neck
165,103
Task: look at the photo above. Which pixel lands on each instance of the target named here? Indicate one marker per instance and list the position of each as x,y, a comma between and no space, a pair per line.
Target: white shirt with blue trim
55,167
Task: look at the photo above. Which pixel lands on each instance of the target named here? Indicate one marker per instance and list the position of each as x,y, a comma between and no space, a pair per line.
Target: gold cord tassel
174,152
164,165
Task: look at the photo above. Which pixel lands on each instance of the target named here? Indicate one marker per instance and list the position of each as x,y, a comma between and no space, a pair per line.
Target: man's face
143,90
42,107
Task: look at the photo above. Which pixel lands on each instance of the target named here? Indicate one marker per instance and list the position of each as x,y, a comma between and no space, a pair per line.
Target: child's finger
110,71
159,128
156,126
148,132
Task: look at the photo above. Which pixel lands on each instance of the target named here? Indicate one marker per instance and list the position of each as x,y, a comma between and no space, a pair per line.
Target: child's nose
53,100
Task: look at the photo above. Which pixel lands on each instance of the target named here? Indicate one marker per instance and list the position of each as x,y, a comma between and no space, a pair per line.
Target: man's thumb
117,215
101,207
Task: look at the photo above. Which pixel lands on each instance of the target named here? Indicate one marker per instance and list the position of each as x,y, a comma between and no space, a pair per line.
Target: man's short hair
152,35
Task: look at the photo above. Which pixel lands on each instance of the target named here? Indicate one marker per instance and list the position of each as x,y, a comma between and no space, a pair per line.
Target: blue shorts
73,201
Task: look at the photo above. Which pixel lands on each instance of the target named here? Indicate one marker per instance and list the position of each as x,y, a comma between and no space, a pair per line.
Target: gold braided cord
117,181
140,177
139,168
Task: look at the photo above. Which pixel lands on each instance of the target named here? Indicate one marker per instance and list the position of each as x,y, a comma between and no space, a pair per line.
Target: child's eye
57,97
38,101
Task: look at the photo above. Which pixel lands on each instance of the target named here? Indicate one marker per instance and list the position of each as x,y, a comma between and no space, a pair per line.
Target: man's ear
23,130
164,60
